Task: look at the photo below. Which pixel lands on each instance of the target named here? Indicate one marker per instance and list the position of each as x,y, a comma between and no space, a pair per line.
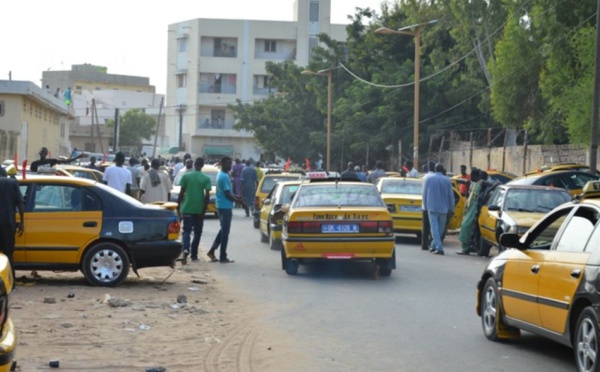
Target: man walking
117,177
9,202
156,184
249,182
438,200
136,176
224,201
425,228
192,206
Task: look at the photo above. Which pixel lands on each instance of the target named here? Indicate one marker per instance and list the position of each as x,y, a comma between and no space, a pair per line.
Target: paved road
422,318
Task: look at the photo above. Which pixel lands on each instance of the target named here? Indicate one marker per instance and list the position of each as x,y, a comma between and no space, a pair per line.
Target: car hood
525,219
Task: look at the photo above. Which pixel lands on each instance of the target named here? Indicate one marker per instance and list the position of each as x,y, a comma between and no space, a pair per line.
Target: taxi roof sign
317,175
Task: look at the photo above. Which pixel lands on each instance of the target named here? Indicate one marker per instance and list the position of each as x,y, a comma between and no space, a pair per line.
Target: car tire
256,223
484,248
283,259
105,264
585,345
291,267
385,271
490,309
263,237
273,243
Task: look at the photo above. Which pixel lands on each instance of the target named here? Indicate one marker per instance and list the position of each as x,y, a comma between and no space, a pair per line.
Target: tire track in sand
243,355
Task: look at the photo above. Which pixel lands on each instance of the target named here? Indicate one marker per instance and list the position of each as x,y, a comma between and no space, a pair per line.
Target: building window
217,118
224,47
313,13
181,80
182,45
218,83
270,46
2,108
312,43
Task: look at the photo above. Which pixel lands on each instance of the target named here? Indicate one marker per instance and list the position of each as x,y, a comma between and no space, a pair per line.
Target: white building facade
214,62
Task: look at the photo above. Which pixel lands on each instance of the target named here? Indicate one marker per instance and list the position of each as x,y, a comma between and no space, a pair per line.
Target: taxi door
459,208
488,219
265,210
522,275
19,253
564,268
64,219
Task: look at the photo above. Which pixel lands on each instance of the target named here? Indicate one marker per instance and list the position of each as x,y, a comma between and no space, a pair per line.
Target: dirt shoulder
191,321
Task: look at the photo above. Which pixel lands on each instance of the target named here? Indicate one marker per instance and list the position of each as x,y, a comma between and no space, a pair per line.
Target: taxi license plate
410,208
347,228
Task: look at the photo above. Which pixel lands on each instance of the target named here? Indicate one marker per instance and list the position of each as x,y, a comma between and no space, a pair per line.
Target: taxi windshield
286,194
269,182
401,186
534,200
338,195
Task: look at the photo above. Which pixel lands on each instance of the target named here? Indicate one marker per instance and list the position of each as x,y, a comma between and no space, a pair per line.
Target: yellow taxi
571,180
8,339
333,220
561,167
265,185
211,171
75,224
499,176
514,209
591,190
271,213
77,171
548,284
403,197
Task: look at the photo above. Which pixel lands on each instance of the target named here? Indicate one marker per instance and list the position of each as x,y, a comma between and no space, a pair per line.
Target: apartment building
214,62
29,119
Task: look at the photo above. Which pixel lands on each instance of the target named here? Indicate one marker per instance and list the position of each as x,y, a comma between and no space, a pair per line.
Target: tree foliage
134,126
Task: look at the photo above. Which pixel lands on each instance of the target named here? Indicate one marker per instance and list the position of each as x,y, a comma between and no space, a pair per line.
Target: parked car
548,284
338,221
572,181
271,213
514,209
265,185
211,171
76,224
77,171
8,337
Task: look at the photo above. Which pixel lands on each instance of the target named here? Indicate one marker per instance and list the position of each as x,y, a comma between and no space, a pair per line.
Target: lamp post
412,30
326,72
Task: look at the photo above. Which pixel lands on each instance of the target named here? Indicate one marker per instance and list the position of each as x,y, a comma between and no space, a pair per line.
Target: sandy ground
188,322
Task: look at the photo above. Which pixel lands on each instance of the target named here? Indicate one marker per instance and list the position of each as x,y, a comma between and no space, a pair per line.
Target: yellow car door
459,208
64,219
488,218
265,210
564,268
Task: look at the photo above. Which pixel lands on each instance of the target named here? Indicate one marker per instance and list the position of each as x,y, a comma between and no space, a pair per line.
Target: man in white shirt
136,176
156,184
117,177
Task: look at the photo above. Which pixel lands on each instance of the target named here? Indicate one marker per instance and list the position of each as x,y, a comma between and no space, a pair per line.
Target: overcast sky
129,37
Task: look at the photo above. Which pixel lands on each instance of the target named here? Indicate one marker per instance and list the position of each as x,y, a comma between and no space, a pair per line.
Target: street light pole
416,33
327,72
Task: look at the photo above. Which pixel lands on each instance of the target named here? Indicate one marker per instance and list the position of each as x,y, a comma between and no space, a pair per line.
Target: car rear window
344,195
401,186
269,182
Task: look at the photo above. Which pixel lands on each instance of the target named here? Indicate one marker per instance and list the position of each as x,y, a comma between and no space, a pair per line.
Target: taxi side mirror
511,241
494,207
266,201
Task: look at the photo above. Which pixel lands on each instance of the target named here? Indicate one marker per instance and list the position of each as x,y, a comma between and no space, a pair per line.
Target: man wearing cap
44,160
117,177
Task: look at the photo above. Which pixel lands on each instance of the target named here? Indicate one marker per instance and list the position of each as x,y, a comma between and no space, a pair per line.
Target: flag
287,164
307,162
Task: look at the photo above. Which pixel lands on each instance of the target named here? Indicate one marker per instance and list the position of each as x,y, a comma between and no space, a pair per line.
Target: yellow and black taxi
81,172
591,190
211,171
403,197
76,224
271,213
8,339
496,176
561,167
265,185
334,220
572,181
514,209
548,284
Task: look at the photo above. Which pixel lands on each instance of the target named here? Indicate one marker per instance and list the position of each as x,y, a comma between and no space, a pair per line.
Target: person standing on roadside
425,228
470,215
192,205
249,182
156,185
377,173
349,174
224,201
44,160
11,200
117,177
136,176
92,164
410,170
438,200
463,186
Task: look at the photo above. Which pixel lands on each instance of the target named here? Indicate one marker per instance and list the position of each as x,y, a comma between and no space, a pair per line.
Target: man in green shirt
192,206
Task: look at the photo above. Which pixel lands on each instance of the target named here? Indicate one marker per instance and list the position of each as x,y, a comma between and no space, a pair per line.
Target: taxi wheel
291,267
490,309
256,223
263,237
586,341
274,244
105,264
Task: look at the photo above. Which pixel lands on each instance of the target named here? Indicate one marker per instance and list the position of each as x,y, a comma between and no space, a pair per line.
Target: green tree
134,127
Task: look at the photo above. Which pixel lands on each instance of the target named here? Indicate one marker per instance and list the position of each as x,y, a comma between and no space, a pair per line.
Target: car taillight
294,227
385,226
311,227
174,227
368,227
